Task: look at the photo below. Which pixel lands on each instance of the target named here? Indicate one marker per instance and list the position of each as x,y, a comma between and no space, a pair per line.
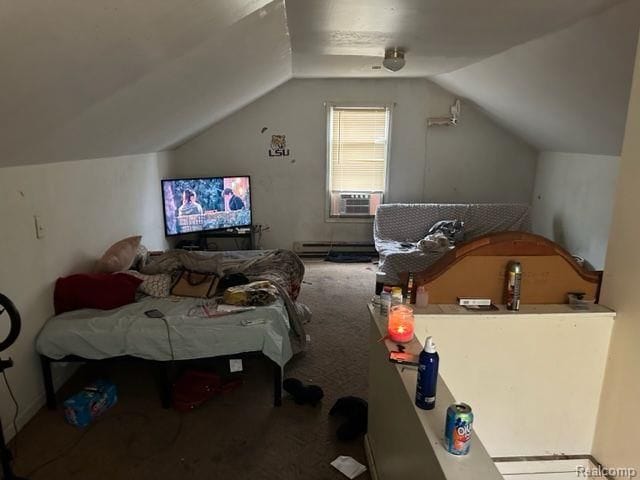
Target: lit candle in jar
401,324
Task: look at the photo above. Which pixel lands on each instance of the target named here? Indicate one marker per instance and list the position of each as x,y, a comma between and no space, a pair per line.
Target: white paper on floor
348,466
235,365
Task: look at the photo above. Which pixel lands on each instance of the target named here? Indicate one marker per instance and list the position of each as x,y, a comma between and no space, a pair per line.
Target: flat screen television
206,204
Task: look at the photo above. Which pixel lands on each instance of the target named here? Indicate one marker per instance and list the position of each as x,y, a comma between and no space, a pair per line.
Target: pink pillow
103,291
120,256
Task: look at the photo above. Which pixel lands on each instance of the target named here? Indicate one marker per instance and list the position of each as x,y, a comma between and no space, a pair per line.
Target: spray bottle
427,376
514,285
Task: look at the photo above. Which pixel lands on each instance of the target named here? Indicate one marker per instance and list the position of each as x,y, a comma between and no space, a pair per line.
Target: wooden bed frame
477,268
165,377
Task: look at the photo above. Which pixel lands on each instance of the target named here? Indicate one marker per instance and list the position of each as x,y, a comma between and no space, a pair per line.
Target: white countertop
525,310
579,341
477,465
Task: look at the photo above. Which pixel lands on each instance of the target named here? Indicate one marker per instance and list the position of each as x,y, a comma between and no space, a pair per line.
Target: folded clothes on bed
252,294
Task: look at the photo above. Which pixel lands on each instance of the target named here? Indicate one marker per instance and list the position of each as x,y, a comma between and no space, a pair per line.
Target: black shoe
301,393
355,410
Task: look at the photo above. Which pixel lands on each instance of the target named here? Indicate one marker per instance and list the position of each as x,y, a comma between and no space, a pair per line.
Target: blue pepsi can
458,428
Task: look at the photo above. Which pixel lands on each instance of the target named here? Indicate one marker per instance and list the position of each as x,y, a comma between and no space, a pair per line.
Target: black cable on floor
108,419
62,454
73,445
15,415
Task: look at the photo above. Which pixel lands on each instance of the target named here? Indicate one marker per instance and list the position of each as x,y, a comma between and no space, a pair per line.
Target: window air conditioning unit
355,204
359,203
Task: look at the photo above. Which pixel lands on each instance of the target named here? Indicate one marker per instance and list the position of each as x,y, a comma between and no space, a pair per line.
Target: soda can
457,429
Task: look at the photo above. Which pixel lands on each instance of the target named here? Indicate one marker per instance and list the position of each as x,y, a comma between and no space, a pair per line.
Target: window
357,157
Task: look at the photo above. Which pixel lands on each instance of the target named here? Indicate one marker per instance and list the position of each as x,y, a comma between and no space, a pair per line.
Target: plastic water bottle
422,297
385,301
396,296
427,376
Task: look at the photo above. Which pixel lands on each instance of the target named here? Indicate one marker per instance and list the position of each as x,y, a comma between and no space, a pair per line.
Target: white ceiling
95,78
564,92
345,38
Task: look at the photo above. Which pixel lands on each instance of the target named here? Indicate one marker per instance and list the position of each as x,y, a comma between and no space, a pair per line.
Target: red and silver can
458,428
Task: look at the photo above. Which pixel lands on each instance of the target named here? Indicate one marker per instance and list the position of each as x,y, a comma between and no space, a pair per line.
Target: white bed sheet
99,334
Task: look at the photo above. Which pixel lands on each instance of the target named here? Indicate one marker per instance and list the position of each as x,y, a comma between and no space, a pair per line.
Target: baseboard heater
321,249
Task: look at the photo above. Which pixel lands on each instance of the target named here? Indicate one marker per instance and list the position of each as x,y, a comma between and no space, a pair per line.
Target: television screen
205,204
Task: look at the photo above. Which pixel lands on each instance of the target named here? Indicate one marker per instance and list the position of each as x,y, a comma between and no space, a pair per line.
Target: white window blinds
358,149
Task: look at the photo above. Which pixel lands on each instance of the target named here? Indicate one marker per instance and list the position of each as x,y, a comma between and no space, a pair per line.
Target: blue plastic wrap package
95,399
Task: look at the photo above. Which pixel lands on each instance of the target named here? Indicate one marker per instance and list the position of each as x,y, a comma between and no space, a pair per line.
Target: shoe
355,410
303,394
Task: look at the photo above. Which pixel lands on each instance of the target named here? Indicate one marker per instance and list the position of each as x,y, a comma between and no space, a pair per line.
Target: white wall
573,200
614,444
476,161
528,401
85,207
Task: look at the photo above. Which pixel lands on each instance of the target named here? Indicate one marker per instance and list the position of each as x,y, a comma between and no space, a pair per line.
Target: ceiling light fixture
393,59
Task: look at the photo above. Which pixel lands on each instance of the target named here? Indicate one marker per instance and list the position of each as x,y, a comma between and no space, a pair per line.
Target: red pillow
103,291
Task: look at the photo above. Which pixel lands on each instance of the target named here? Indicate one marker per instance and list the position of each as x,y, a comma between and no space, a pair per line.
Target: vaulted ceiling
83,79
343,38
567,91
95,79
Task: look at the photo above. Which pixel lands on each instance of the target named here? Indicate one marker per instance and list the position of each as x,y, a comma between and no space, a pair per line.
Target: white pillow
119,256
158,286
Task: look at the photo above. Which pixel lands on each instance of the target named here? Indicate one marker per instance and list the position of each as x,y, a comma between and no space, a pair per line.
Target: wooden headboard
477,268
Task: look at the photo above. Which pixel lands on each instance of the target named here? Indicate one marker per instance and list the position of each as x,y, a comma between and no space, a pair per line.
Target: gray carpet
238,435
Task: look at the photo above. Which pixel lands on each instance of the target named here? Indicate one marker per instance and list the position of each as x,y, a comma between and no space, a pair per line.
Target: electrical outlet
39,226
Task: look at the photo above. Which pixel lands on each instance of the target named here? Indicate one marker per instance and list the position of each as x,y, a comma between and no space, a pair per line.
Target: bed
273,331
477,268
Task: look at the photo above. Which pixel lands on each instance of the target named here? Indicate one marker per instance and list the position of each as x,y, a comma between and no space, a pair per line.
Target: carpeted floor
238,435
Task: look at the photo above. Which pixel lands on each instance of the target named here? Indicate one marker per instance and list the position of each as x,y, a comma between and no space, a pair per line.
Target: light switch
39,226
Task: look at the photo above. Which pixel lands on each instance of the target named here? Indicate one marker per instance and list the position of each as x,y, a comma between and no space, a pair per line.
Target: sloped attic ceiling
345,38
555,72
567,91
97,79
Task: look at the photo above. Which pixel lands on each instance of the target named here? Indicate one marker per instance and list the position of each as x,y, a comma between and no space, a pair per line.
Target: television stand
245,234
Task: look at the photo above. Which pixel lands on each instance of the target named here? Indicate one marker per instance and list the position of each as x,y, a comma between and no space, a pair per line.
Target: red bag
194,387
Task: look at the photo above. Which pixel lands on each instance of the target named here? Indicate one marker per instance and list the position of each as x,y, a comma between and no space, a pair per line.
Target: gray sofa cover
398,223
